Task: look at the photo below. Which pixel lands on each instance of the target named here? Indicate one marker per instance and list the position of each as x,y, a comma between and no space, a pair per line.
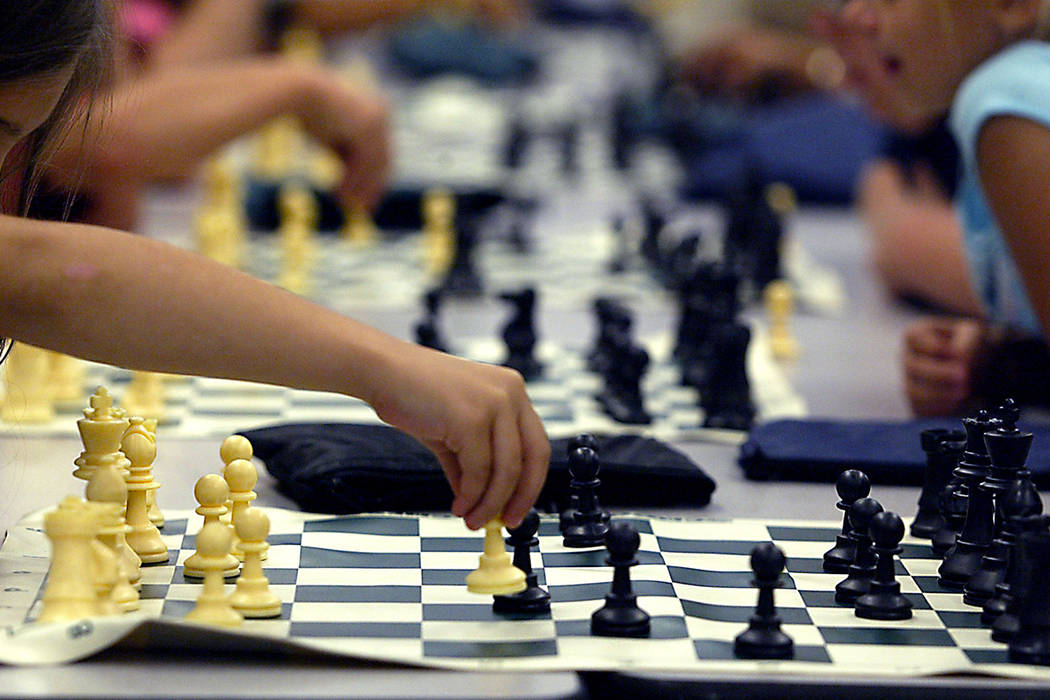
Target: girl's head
927,47
53,53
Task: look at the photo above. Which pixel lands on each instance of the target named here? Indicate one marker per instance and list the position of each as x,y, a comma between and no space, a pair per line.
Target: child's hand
939,359
478,420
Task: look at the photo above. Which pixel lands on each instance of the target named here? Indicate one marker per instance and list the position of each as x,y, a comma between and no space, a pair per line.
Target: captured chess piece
852,485
213,607
780,302
884,601
533,600
941,458
621,616
862,570
763,638
589,523
253,597
495,575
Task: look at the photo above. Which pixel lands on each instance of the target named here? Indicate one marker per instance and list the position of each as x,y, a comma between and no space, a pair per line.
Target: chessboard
563,398
390,588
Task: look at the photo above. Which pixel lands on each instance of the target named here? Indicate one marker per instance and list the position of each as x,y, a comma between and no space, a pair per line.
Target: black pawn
1007,625
589,523
568,516
763,638
851,486
940,461
533,600
862,570
1019,504
621,616
884,601
1031,644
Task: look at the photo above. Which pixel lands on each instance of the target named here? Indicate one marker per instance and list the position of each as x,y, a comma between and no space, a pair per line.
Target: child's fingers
474,460
924,370
535,460
504,471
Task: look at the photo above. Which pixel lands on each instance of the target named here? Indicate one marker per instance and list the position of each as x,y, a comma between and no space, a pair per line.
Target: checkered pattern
563,397
391,587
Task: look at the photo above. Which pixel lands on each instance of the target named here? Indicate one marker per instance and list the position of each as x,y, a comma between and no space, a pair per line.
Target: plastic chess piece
589,524
780,302
568,515
1031,643
213,607
884,601
1006,626
253,597
862,570
211,492
28,395
143,536
852,485
763,638
107,488
941,459
70,590
1008,450
100,429
495,575
964,558
621,616
519,334
145,395
241,476
1019,504
533,599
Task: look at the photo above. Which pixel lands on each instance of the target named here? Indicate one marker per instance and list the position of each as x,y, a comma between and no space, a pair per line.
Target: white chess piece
253,597
143,535
213,607
496,574
107,488
211,493
70,592
101,430
241,477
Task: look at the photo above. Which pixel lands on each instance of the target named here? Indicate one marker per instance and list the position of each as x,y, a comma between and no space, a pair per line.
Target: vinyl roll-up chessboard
391,588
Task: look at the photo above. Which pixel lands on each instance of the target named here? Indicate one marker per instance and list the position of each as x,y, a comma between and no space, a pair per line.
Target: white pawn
211,492
213,607
70,592
253,597
108,489
496,574
233,447
143,535
241,476
780,302
155,515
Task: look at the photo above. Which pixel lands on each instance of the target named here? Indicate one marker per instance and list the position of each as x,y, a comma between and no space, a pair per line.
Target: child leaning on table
108,296
982,62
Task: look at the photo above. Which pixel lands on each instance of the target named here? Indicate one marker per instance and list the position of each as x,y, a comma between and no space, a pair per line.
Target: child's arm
138,303
161,125
1013,156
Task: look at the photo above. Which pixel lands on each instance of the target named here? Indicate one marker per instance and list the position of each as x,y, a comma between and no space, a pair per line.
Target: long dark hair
38,37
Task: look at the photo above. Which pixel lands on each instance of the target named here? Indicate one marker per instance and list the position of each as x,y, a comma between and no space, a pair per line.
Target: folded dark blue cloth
428,48
350,468
888,452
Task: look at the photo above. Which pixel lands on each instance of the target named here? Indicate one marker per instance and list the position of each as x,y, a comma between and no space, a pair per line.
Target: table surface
848,368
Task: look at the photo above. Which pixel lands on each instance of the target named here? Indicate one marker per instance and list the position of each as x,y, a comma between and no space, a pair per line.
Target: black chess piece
851,486
1008,450
517,141
952,500
589,523
533,600
1006,626
940,461
862,570
519,334
614,321
621,397
569,147
763,638
964,558
462,278
884,601
1031,643
427,333
726,396
567,516
621,616
1019,504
